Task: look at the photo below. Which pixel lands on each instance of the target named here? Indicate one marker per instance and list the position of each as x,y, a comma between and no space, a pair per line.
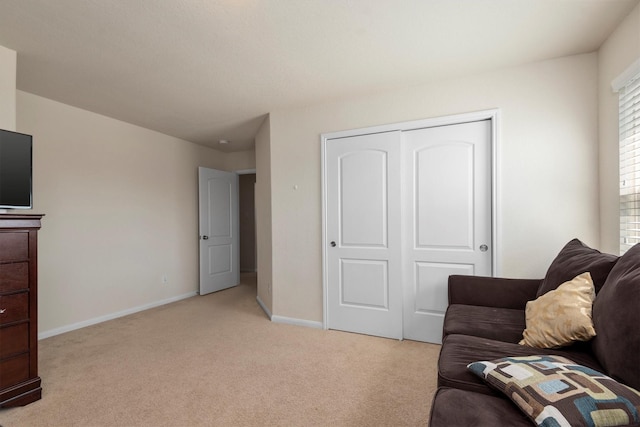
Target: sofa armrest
492,291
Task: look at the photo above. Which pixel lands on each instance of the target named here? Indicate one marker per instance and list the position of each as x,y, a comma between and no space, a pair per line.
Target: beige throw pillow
562,316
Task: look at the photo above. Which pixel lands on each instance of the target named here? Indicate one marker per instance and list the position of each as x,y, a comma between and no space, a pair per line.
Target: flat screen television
15,170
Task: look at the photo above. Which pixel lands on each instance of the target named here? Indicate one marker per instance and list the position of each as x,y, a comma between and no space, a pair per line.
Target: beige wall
263,215
548,165
7,88
121,211
241,160
616,54
120,204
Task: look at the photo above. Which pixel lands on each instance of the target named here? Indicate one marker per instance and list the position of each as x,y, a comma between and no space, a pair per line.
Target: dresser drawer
14,276
14,246
14,370
14,307
14,340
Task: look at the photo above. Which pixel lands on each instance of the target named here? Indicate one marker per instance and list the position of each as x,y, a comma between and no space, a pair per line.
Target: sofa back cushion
615,318
574,259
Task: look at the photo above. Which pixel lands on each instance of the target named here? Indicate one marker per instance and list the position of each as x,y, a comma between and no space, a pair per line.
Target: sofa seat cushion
454,407
458,351
500,324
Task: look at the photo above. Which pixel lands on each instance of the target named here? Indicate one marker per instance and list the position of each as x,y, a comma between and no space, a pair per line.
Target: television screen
15,170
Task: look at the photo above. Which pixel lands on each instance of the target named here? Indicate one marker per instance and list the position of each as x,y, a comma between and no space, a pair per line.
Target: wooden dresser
19,380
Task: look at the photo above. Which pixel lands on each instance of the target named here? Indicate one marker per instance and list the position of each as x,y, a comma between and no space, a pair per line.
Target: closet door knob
484,248
333,244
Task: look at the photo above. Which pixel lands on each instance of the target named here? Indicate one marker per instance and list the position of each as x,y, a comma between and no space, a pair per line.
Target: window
629,119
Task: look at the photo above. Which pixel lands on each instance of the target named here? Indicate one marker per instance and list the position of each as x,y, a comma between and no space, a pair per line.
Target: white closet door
363,234
446,219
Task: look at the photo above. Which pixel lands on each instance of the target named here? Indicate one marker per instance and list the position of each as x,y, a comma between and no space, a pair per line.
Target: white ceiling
205,70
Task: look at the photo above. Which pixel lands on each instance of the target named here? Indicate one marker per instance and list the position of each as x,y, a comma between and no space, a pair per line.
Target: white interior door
219,230
363,234
447,218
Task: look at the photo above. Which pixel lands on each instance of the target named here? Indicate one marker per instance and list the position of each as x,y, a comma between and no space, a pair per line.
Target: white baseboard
297,322
95,320
288,320
263,307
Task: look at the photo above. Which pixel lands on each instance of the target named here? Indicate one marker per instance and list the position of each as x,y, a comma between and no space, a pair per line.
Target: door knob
205,237
484,248
333,244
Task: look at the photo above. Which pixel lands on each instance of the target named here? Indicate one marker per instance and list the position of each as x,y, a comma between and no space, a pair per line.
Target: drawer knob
2,310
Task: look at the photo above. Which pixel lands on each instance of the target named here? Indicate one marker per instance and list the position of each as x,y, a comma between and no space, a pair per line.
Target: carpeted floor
216,360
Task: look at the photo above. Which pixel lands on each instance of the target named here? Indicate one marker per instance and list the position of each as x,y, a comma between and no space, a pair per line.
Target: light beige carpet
217,360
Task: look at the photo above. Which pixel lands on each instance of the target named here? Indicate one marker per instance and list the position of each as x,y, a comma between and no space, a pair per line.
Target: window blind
629,116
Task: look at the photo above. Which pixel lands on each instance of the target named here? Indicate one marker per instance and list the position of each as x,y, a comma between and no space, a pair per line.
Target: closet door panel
363,198
443,182
447,218
363,250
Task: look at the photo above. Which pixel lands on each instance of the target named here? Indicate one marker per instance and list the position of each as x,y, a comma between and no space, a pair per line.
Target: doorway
247,222
226,227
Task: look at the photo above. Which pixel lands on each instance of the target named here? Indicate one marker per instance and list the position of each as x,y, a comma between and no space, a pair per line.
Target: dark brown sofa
485,320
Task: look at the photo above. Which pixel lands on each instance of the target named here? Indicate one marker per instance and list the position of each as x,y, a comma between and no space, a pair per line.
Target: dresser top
11,220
